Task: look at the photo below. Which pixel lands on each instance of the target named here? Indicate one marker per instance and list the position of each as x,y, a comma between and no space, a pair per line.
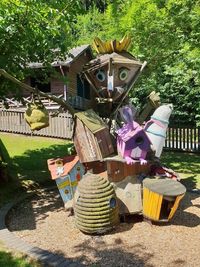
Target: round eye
123,74
100,75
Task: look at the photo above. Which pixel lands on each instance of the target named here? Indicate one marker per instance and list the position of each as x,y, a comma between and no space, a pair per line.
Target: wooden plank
195,139
93,145
84,143
184,139
191,138
179,138
176,137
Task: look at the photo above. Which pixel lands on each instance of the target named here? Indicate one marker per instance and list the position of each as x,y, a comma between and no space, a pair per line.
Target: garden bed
43,222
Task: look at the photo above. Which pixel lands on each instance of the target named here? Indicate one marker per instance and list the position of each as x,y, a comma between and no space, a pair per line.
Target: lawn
27,158
11,259
187,165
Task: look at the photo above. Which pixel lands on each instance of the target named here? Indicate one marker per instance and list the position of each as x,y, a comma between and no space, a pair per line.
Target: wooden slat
13,121
183,139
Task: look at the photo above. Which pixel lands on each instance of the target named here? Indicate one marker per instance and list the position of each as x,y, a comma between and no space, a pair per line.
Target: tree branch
63,103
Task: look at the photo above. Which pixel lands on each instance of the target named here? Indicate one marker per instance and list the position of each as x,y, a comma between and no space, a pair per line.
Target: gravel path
42,222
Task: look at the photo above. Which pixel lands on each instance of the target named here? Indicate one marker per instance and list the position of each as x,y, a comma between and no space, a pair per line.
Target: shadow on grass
4,160
30,171
4,153
32,165
182,162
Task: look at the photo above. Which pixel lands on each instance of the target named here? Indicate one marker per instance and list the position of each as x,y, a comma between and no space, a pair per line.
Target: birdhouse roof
131,130
91,120
68,164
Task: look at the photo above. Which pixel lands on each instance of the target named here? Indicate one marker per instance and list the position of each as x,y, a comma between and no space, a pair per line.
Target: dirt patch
42,222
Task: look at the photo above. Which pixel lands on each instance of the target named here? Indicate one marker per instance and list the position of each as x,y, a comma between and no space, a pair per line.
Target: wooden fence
59,127
183,139
178,138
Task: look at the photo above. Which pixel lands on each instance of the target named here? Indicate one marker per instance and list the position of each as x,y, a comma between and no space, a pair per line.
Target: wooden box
161,198
92,139
118,169
95,167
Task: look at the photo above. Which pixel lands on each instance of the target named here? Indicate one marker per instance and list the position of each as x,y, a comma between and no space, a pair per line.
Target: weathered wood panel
118,171
13,121
85,144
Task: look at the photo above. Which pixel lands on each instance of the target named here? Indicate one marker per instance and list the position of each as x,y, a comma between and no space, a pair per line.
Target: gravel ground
43,222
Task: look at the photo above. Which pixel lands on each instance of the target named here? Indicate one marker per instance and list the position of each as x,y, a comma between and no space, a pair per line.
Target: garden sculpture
129,153
117,146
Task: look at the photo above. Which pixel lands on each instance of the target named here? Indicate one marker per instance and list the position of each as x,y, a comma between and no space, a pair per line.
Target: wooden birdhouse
92,139
132,141
161,198
67,172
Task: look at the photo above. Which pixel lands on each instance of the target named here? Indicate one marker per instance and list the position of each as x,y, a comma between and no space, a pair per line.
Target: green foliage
7,259
31,30
166,35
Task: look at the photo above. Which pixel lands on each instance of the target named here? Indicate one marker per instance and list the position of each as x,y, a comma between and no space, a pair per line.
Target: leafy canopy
165,33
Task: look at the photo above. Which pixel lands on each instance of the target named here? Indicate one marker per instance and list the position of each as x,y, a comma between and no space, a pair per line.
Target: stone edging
13,242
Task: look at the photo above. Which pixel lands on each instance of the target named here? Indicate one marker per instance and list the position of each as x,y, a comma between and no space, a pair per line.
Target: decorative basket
37,116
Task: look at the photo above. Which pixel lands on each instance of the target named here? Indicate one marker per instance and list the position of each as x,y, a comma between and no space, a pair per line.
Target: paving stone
65,263
24,247
56,261
12,241
38,252
75,264
70,263
4,232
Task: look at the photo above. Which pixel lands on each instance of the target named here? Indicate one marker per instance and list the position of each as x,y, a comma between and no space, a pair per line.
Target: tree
165,33
31,31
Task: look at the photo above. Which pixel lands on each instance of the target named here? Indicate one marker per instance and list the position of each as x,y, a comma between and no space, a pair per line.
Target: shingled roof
73,54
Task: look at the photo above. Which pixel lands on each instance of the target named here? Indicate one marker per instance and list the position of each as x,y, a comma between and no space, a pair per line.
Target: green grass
11,259
27,159
187,165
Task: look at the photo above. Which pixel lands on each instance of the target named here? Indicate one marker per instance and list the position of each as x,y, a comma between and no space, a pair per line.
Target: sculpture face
112,74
